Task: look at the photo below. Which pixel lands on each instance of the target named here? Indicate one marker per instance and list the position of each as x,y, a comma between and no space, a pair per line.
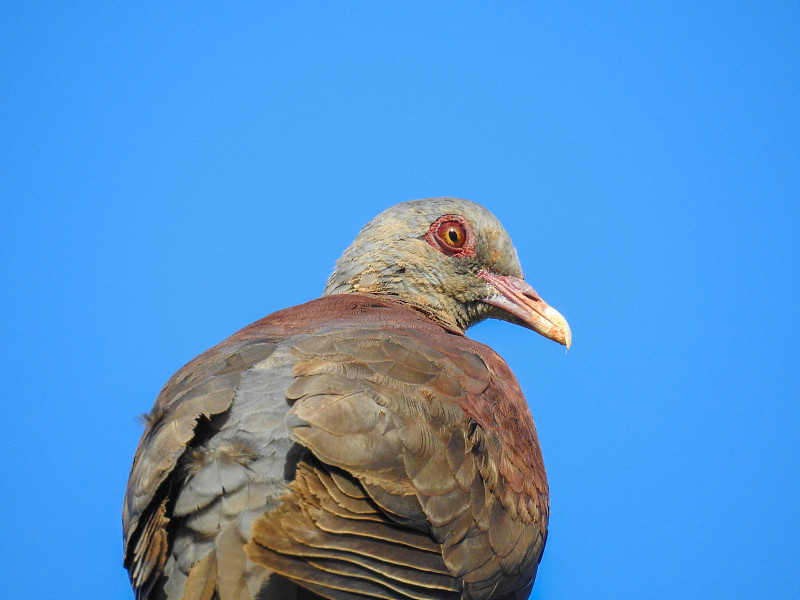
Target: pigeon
358,446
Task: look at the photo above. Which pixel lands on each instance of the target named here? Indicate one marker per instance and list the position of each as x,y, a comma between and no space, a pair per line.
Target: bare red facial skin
452,235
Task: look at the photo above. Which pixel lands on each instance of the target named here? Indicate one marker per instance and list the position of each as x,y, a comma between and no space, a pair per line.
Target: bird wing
348,443
168,476
405,495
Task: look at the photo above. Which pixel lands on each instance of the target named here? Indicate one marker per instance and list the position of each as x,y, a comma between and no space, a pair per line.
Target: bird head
450,258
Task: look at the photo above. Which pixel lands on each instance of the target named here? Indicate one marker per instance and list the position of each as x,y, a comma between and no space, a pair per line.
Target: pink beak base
521,300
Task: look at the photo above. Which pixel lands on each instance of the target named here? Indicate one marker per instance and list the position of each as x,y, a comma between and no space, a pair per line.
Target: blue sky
169,174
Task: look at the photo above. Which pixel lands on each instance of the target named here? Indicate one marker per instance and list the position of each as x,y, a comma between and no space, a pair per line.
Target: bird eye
452,233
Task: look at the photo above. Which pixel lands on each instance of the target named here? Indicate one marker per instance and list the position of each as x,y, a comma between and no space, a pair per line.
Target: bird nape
357,446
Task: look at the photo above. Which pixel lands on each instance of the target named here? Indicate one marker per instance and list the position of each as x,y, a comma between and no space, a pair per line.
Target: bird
358,446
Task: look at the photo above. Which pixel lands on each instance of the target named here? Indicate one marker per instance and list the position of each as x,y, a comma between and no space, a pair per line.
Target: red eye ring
452,235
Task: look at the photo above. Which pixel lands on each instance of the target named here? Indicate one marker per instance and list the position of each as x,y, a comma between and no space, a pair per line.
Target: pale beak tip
560,331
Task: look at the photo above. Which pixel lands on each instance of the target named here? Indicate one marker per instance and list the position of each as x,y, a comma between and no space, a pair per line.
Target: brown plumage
359,445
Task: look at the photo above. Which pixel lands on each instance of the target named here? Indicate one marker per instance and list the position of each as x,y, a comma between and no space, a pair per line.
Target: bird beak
521,300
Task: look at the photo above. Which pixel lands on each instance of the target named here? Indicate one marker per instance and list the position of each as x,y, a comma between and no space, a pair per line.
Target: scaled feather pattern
358,446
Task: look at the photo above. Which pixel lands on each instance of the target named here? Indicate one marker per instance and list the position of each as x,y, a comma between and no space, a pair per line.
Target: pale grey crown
391,257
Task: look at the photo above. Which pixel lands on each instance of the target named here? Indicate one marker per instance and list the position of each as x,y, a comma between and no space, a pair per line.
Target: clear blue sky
169,174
